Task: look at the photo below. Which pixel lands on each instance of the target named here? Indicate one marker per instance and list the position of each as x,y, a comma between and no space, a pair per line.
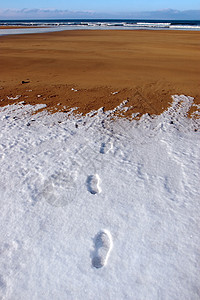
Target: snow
99,208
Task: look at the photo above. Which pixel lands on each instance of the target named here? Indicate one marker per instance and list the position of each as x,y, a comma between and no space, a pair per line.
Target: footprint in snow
93,184
60,188
103,247
3,287
106,147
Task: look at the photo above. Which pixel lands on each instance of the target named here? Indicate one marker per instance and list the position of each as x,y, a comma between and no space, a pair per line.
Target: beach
91,69
93,204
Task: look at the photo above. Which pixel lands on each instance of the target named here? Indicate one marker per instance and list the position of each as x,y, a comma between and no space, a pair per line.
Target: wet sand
20,27
94,68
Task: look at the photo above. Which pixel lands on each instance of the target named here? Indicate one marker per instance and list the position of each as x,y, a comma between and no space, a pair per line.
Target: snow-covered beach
94,207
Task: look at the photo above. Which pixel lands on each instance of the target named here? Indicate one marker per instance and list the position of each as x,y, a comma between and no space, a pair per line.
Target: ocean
108,24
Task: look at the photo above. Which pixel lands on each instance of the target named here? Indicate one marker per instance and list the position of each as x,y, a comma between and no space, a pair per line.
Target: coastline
90,69
19,27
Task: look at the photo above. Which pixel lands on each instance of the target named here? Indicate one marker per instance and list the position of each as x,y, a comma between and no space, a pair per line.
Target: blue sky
102,5
93,9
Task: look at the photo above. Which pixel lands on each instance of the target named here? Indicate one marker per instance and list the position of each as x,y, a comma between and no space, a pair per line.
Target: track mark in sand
93,184
106,147
103,246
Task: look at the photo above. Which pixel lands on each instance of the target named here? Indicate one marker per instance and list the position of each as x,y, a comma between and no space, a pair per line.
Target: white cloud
66,14
42,13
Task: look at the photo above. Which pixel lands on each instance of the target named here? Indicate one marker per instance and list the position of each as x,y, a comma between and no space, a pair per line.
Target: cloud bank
164,14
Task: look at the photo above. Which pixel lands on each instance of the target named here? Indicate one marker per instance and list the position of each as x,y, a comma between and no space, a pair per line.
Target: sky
103,5
170,9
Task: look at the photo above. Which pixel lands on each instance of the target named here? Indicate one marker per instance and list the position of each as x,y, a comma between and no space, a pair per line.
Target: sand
94,68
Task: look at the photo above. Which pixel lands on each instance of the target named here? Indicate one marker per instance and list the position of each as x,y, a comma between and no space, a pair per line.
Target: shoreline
94,68
20,27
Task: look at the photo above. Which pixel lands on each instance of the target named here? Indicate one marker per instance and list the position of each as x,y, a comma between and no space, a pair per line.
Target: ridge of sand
91,69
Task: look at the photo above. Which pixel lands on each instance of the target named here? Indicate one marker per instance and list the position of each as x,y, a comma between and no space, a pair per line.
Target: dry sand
146,67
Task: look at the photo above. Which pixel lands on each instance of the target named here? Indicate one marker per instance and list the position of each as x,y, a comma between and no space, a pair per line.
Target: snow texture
52,245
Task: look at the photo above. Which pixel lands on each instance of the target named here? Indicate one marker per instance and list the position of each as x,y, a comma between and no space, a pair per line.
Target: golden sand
94,68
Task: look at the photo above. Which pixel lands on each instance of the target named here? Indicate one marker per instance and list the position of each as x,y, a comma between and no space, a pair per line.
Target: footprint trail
103,247
93,184
106,147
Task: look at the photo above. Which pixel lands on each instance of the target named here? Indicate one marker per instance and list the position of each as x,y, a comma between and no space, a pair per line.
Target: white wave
185,27
146,24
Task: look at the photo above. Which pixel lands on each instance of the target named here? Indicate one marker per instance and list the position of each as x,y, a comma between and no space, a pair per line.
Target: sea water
102,24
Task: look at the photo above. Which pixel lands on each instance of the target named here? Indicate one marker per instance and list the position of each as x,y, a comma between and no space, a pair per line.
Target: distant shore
91,69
